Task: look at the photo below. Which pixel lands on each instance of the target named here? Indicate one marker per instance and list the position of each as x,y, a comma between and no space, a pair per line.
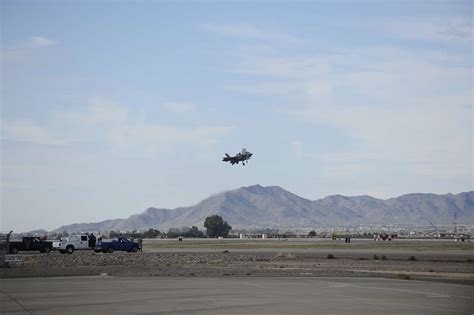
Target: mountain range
256,207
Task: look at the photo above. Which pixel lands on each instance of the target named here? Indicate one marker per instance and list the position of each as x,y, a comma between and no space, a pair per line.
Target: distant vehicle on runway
385,236
75,242
30,244
121,243
239,157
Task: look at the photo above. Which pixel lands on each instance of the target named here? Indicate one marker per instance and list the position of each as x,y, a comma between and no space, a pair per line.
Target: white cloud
26,47
180,107
99,112
154,138
298,148
436,137
450,29
400,107
267,88
30,132
248,32
292,67
112,126
38,41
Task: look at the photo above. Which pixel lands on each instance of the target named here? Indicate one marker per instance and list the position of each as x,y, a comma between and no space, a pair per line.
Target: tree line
215,227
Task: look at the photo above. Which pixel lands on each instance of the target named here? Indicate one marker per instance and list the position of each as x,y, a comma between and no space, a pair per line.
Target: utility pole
455,227
436,230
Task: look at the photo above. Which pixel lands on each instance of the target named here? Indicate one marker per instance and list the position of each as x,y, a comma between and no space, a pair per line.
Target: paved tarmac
232,295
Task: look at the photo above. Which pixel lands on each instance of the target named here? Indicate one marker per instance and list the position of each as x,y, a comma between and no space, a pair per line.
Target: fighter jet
239,157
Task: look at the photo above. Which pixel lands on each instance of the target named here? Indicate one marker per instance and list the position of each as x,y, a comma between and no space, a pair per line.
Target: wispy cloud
29,132
39,41
297,148
402,107
449,29
112,126
271,88
285,67
248,32
99,112
26,47
152,137
180,107
399,106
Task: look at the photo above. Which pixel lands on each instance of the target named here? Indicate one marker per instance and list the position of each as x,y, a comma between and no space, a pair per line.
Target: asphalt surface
232,295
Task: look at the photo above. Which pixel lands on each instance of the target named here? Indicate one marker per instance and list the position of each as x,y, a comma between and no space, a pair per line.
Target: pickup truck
30,244
121,243
75,242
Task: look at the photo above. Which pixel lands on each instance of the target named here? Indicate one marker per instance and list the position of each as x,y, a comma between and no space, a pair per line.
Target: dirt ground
445,262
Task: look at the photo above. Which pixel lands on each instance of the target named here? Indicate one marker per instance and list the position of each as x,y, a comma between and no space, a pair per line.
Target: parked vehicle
75,242
30,244
121,243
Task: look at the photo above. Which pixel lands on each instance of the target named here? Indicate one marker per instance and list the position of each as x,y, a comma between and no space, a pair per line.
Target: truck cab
74,242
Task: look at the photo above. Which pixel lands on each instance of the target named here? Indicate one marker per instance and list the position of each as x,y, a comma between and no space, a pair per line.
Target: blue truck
121,243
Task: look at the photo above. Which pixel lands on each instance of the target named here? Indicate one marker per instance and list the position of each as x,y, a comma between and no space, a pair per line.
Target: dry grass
271,244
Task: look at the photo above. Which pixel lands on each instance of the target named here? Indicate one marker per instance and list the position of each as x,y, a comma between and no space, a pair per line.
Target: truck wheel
110,250
97,250
135,249
47,250
14,250
70,249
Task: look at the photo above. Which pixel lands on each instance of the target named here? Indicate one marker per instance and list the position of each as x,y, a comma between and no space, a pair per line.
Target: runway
232,295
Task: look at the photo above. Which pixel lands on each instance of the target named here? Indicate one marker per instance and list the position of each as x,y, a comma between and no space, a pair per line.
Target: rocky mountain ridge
273,207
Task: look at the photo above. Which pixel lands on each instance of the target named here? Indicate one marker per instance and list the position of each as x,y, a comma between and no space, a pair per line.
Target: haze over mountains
273,207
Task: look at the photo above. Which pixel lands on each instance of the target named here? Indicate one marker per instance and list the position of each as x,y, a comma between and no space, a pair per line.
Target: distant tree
173,232
113,234
151,233
288,234
184,231
216,226
312,233
194,232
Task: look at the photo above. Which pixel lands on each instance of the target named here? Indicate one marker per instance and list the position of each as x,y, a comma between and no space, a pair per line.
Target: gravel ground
228,263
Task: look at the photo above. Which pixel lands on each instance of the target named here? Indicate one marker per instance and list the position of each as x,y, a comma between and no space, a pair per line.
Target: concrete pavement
232,295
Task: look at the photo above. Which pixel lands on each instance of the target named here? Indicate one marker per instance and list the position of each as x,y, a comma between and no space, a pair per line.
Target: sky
111,107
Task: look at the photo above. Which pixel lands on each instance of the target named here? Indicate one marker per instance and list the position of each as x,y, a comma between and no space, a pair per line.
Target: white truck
75,242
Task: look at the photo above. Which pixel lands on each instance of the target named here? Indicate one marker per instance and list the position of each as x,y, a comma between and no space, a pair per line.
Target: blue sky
109,108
